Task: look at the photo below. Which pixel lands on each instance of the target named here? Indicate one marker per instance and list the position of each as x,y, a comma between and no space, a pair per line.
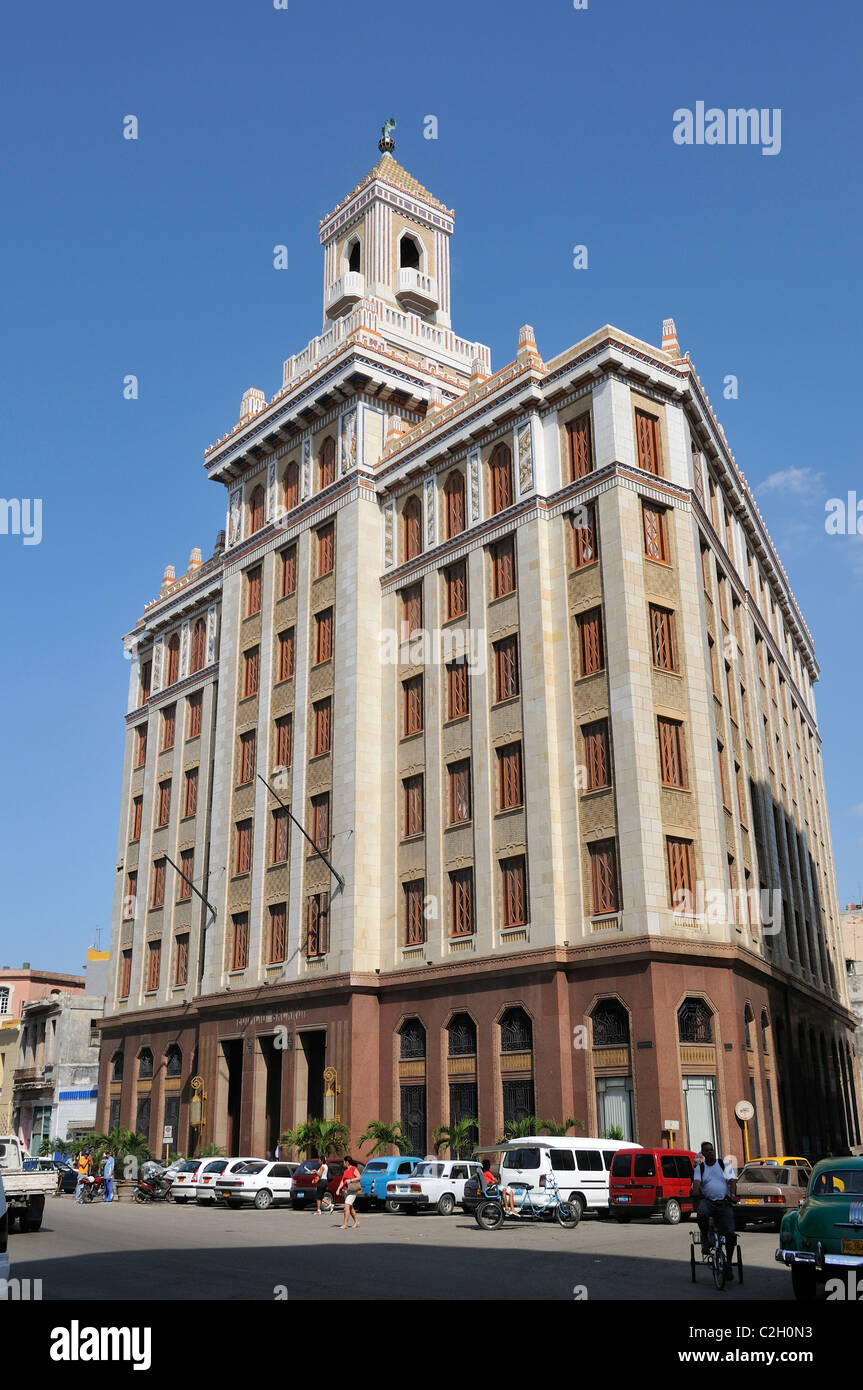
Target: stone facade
550,718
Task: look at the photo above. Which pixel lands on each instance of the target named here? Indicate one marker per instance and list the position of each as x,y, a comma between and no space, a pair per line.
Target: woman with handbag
350,1185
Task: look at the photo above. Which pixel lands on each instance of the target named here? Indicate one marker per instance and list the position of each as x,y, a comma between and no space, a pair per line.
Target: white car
258,1182
203,1187
433,1183
4,1235
182,1188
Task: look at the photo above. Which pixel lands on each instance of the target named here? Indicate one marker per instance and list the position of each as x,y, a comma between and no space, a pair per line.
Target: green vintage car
823,1238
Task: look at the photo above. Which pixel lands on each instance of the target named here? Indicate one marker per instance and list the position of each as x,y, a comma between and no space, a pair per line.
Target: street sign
744,1110
671,1125
168,1134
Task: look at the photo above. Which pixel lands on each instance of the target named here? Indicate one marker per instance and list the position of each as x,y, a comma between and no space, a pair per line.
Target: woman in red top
350,1185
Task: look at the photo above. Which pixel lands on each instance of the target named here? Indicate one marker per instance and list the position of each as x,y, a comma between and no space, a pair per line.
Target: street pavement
125,1251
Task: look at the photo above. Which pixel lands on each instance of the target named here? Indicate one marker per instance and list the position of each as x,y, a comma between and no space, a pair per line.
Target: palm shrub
49,1147
556,1131
614,1132
322,1137
385,1136
520,1129
456,1137
212,1150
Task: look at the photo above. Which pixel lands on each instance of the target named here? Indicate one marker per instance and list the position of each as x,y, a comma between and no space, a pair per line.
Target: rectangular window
248,755
278,933
647,440
414,791
597,760
326,549
412,610
723,781
458,690
253,591
514,886
190,798
662,641
240,943
131,897
459,792
181,959
146,681
580,453
655,536
284,740
164,803
323,636
323,725
195,703
125,974
289,571
456,590
680,873
169,724
711,653
603,875
317,924
509,777
187,871
251,671
158,895
413,705
321,820
590,648
154,965
461,885
671,759
506,668
741,795
503,567
243,850
584,536
137,817
281,833
286,654
140,745
414,917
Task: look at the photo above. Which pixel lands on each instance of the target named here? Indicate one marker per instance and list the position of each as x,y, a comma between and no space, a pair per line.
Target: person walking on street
84,1167
108,1175
350,1185
323,1179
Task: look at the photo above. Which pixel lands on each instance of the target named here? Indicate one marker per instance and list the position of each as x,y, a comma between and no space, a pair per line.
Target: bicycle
490,1212
716,1255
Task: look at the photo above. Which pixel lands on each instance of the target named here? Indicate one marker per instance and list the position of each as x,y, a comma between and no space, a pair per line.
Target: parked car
305,1184
580,1168
183,1185
651,1182
203,1186
4,1234
380,1171
767,1191
823,1238
433,1183
257,1182
778,1160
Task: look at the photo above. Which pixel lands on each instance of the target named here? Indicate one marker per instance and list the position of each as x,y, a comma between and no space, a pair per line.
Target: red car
648,1182
304,1186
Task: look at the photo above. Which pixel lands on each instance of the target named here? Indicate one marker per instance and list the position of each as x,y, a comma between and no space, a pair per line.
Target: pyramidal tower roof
388,170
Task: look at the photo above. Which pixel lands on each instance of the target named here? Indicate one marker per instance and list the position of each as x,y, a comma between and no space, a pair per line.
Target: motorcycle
92,1188
152,1186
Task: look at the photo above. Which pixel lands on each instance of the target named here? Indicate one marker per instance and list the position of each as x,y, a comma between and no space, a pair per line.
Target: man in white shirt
714,1187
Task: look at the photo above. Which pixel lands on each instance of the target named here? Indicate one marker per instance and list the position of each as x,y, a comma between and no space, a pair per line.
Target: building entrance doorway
272,1056
311,1060
232,1052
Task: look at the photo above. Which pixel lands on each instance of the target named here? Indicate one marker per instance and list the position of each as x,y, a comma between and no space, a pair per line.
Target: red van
651,1182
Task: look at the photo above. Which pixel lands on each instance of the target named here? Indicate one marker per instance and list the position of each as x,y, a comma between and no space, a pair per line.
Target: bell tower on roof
388,240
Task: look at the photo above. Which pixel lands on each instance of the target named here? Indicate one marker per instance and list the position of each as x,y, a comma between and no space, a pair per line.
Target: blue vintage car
823,1238
378,1172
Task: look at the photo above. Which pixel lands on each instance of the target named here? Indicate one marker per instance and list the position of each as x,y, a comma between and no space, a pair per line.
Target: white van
580,1166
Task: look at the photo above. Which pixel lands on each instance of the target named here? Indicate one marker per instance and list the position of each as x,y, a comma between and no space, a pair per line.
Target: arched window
117,1067
4,1001
610,1024
173,659
173,1061
354,256
748,1020
695,1022
292,486
454,494
516,1032
409,253
199,645
256,508
412,1040
765,1032
413,529
501,478
145,1064
328,461
461,1036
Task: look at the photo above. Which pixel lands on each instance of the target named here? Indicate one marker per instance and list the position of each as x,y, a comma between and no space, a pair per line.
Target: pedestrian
323,1179
84,1168
350,1185
108,1175
277,1152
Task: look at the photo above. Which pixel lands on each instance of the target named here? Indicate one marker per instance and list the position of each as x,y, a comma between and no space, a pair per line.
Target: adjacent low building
17,988
477,772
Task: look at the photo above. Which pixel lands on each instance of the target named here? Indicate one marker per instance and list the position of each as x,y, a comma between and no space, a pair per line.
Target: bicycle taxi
491,1207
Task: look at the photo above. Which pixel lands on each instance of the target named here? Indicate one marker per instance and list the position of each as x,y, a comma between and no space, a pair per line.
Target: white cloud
799,482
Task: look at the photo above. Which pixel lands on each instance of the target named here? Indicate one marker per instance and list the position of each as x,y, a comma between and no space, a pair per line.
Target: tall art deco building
516,652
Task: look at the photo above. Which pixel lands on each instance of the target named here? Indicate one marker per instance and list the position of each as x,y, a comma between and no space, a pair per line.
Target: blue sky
155,257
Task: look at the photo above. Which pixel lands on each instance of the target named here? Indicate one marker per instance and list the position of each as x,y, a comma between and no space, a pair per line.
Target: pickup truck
25,1192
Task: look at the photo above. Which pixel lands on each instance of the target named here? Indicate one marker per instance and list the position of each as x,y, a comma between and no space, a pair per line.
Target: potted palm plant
383,1137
